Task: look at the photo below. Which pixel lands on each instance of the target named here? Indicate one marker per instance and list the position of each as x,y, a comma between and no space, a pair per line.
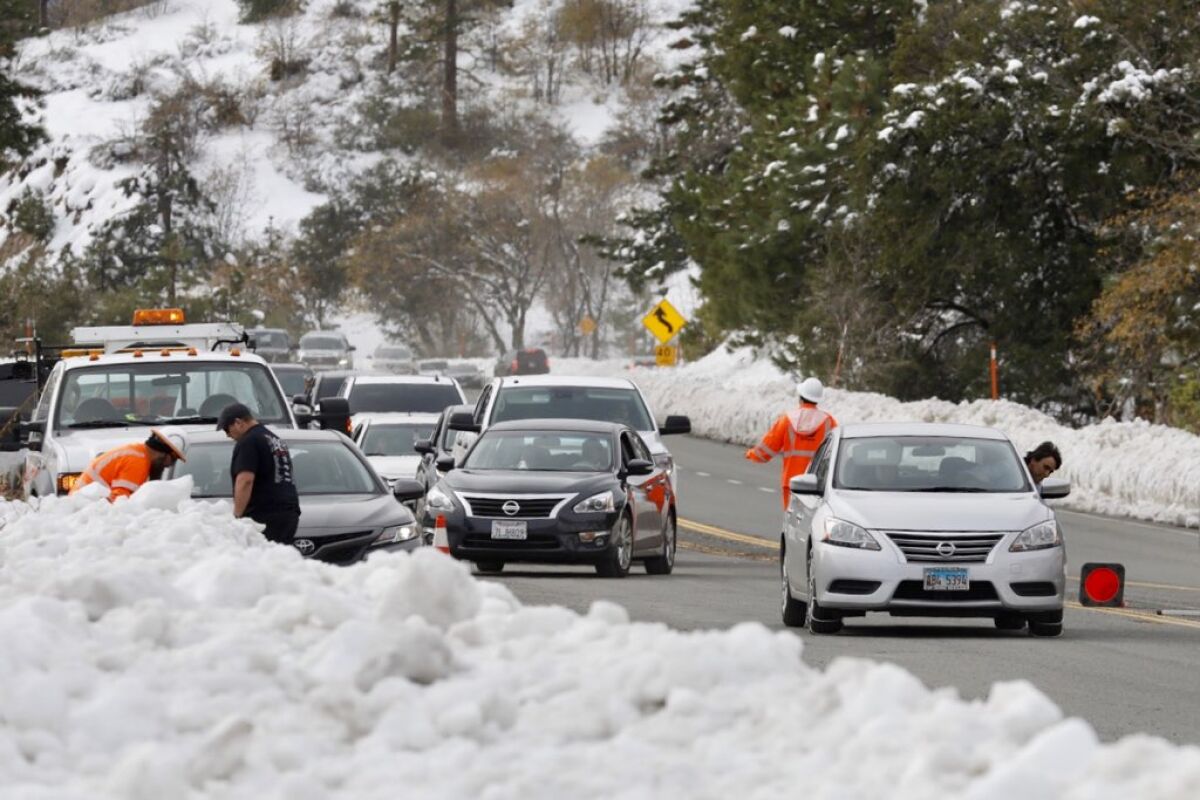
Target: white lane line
735,482
704,474
1131,523
765,489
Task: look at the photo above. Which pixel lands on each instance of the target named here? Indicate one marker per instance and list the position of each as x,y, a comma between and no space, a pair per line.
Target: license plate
947,579
508,529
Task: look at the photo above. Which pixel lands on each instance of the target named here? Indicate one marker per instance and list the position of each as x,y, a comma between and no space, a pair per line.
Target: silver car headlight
847,534
438,500
396,534
665,462
1040,537
597,504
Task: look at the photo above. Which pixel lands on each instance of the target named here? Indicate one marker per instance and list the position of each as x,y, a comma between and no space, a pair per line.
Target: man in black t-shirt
263,486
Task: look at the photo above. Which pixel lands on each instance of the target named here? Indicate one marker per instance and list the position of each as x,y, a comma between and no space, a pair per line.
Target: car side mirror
335,414
464,421
423,446
1054,488
639,466
406,490
805,484
31,435
675,424
445,463
351,348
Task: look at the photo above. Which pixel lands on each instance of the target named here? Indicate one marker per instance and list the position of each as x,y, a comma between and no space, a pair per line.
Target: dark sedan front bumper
346,548
555,540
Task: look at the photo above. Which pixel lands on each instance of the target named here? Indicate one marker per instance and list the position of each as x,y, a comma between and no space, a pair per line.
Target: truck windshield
152,393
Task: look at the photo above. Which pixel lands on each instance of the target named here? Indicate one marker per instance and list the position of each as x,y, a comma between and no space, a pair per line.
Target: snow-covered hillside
156,648
1131,469
99,83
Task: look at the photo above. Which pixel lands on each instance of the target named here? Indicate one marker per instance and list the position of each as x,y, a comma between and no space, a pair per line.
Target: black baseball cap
232,413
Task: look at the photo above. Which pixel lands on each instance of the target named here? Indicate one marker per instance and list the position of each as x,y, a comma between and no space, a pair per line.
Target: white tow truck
113,384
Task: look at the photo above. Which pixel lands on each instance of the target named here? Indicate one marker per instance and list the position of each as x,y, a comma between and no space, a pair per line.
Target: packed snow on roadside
156,648
1131,469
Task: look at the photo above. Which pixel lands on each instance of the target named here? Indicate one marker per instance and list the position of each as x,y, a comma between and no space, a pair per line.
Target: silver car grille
941,548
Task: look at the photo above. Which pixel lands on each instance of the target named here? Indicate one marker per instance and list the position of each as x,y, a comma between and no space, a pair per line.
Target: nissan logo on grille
945,549
511,507
305,546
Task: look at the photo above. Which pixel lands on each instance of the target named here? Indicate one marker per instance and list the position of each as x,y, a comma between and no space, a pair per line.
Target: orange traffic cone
440,540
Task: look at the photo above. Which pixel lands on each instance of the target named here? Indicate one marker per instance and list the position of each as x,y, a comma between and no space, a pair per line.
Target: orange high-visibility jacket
796,436
121,470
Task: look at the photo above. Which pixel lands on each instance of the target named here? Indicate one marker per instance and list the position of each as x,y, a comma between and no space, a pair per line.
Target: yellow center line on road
721,533
1142,616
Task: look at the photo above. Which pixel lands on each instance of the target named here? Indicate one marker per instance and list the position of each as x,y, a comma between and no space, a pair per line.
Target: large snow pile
159,649
1124,468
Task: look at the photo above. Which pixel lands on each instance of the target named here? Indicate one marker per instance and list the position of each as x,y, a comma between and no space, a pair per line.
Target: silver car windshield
601,404
542,451
928,464
318,467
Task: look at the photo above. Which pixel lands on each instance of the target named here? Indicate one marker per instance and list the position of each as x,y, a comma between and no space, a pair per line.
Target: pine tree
18,136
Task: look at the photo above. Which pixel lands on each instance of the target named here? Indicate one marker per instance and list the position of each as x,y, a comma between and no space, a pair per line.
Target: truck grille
526,507
924,547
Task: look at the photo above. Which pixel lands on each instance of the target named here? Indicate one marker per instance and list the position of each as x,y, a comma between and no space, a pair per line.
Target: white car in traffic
921,519
389,442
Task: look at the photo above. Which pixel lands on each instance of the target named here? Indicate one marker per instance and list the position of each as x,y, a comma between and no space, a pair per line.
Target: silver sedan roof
860,430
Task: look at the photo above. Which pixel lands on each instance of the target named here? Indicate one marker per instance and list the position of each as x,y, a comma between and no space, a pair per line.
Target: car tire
794,612
1009,622
1045,623
619,556
818,620
489,567
663,564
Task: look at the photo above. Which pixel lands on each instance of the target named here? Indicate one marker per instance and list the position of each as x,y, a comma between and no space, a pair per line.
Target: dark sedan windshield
319,468
551,451
929,464
404,398
573,402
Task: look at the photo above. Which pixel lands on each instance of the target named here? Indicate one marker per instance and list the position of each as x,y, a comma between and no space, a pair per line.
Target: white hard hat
811,389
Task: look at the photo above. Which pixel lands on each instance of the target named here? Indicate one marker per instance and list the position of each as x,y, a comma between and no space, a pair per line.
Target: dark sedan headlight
601,503
396,534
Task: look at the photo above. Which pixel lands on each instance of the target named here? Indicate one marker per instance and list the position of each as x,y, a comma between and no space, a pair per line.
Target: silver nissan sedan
922,519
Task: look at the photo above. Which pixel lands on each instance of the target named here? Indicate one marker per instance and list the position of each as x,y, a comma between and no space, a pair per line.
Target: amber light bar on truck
159,316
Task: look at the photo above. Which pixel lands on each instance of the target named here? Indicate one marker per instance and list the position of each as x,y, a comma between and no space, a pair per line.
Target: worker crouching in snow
796,435
123,469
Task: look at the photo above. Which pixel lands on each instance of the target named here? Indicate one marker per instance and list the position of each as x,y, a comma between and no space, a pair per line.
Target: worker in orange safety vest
796,435
123,469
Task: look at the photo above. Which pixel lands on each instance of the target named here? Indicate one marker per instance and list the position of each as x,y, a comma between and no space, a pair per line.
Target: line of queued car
540,469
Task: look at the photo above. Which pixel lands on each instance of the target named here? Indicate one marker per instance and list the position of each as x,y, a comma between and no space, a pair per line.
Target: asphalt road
1125,670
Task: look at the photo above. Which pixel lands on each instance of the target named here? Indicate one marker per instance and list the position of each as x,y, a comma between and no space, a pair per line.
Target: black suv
527,361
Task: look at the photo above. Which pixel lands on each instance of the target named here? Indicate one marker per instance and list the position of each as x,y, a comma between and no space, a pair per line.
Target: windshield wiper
188,421
967,489
107,423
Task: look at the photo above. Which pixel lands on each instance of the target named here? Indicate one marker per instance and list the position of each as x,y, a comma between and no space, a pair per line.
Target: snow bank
170,652
1123,468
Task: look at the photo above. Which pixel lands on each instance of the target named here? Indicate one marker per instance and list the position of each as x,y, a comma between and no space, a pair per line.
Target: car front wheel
620,553
489,567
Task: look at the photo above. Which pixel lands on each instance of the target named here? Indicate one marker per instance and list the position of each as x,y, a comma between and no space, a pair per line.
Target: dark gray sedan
346,510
